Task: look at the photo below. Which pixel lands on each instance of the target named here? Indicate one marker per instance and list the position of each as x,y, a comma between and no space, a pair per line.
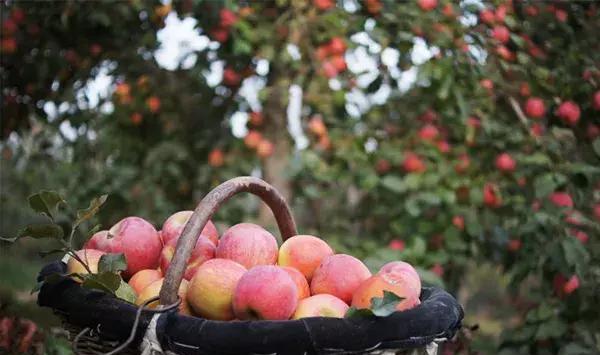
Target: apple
143,278
561,199
203,250
134,237
413,163
304,253
428,132
401,272
374,287
428,5
491,198
323,305
505,163
299,280
249,245
91,257
534,107
569,112
339,275
501,34
210,292
265,292
153,290
173,227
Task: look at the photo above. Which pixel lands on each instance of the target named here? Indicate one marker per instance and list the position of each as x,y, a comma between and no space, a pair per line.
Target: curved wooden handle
204,211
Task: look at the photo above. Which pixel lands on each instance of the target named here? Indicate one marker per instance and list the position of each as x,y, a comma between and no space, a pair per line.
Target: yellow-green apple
211,290
299,280
374,287
143,278
90,257
339,275
203,251
153,290
173,227
265,292
400,271
323,305
134,237
304,252
249,245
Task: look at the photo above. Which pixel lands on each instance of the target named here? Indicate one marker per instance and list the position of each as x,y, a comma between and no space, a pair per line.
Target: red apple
491,198
143,279
249,245
501,34
134,237
203,251
265,292
413,164
339,275
505,163
569,112
561,199
299,280
174,225
210,293
304,253
535,108
396,272
323,305
374,287
428,5
428,132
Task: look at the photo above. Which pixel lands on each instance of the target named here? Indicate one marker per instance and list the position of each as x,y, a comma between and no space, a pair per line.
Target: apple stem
204,211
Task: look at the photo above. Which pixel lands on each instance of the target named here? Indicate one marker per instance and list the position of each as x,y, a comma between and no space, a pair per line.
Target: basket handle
204,211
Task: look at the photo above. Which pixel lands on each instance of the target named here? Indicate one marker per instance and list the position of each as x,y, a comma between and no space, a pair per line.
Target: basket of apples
196,293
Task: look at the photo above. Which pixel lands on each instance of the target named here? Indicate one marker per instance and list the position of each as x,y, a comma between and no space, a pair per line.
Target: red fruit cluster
428,5
491,196
332,56
245,275
227,19
323,4
569,112
413,163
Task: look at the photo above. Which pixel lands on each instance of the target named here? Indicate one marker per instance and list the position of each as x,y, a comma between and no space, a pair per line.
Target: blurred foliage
491,155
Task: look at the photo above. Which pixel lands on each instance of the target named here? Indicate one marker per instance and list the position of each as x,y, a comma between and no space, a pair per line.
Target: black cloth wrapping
438,316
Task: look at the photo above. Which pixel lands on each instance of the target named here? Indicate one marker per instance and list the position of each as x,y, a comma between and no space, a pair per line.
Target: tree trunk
275,167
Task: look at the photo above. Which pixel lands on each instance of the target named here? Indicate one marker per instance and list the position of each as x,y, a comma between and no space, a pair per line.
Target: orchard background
463,137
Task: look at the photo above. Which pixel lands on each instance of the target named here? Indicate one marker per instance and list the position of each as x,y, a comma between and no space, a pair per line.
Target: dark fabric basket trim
438,316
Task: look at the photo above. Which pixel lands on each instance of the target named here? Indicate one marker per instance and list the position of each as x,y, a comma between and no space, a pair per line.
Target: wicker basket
99,323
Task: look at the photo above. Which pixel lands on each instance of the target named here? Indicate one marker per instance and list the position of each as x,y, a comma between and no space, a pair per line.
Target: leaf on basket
125,292
112,263
386,305
354,312
105,281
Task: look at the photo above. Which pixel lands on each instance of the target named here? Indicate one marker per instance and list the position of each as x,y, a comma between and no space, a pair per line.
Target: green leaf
547,183
393,183
45,202
105,281
38,231
386,305
83,215
112,263
551,329
125,292
354,312
596,146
